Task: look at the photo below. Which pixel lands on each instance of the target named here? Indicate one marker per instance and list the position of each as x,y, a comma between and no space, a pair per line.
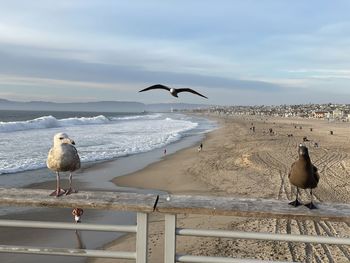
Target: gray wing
157,86
192,91
77,158
72,157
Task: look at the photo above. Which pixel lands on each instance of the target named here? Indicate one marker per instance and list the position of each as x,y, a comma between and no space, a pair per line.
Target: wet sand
235,161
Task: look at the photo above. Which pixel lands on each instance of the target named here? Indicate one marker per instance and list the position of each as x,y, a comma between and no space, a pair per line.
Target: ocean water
26,137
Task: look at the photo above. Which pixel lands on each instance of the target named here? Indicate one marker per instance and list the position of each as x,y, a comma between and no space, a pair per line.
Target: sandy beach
235,161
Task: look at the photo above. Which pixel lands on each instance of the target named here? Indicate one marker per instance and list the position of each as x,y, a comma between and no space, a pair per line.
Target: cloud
116,44
154,54
45,82
74,70
322,73
328,43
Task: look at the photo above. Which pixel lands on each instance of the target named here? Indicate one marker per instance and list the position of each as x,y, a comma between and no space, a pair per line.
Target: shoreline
170,181
95,177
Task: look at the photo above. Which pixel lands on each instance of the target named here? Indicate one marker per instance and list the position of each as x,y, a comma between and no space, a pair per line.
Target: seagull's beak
69,141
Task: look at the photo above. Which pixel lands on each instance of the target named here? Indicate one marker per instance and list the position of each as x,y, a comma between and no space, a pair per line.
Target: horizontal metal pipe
68,226
263,236
204,259
67,252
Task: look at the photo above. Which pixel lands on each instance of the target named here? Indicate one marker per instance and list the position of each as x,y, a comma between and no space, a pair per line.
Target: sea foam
46,122
24,145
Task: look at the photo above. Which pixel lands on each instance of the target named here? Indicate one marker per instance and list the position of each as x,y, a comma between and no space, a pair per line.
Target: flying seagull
172,91
303,174
63,157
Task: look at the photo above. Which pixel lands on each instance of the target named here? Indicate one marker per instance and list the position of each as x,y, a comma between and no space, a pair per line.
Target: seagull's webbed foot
58,192
295,203
71,191
311,206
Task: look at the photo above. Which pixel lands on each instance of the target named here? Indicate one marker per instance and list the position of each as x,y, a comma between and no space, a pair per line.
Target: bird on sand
303,174
172,91
63,157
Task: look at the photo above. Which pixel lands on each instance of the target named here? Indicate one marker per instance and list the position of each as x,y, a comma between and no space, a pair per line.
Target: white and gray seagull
172,91
63,157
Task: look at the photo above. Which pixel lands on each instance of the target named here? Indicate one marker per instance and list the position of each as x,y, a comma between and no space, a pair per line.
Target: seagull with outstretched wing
172,91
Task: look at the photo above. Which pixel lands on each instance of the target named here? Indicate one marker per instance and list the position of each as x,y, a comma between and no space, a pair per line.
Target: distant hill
99,106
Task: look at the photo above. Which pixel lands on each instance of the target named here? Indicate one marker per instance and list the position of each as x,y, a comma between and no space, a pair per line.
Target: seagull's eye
61,138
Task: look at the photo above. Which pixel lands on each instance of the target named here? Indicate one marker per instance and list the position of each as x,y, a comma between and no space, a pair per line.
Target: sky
248,52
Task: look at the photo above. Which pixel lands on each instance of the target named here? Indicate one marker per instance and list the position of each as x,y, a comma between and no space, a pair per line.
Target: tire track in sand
275,164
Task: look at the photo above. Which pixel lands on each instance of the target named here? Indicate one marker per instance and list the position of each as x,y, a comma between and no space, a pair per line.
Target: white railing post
170,239
141,238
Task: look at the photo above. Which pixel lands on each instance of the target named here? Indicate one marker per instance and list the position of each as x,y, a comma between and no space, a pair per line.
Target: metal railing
143,204
141,230
171,231
170,206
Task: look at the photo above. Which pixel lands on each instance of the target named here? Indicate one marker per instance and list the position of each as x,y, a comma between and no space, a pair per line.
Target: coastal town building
338,114
328,111
321,114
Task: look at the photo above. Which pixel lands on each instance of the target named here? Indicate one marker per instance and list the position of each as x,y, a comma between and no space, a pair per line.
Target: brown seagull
303,174
172,91
63,157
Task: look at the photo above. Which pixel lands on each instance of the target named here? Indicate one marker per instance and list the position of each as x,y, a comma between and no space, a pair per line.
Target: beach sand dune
236,162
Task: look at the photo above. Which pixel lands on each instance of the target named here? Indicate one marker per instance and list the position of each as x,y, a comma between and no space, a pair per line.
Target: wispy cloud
322,73
54,83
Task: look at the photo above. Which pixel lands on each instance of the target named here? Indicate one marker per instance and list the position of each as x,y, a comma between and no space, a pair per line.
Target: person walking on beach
200,147
164,151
